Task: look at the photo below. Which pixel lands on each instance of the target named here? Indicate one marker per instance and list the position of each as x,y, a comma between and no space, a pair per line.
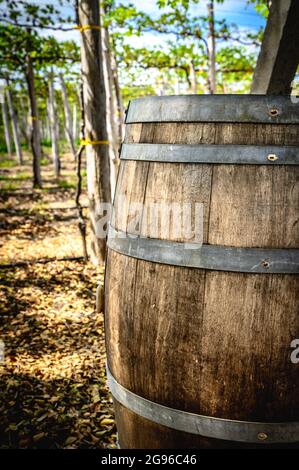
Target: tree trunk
193,78
68,117
94,99
6,127
23,122
48,127
177,89
212,48
14,124
53,128
28,123
279,55
119,104
35,131
75,132
43,130
111,114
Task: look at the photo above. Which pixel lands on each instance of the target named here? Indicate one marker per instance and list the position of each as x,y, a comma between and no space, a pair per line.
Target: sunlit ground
53,389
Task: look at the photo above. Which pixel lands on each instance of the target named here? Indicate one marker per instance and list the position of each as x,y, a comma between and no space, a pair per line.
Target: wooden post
6,126
67,116
34,123
118,98
75,131
212,48
55,151
14,124
193,78
279,55
94,103
111,110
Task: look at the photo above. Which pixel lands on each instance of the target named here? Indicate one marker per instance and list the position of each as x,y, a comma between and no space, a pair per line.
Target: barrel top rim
213,108
216,96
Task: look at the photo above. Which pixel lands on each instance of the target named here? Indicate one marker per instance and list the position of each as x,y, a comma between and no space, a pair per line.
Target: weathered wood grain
159,321
129,196
220,340
206,133
248,325
255,206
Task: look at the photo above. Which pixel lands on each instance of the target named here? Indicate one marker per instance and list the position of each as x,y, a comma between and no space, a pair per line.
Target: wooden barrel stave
205,338
264,198
212,133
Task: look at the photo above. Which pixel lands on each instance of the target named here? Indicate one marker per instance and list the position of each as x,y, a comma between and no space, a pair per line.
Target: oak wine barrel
199,335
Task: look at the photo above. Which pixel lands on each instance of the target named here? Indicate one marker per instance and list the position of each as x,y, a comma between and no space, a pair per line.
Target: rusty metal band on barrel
218,154
214,108
217,428
213,257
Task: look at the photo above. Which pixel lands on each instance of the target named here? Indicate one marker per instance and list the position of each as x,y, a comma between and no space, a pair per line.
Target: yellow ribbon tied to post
85,27
93,142
30,119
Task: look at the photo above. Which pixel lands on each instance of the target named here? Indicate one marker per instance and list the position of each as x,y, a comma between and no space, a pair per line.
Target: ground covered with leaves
53,391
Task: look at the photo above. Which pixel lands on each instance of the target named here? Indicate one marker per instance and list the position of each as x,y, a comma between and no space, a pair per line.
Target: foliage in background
29,27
